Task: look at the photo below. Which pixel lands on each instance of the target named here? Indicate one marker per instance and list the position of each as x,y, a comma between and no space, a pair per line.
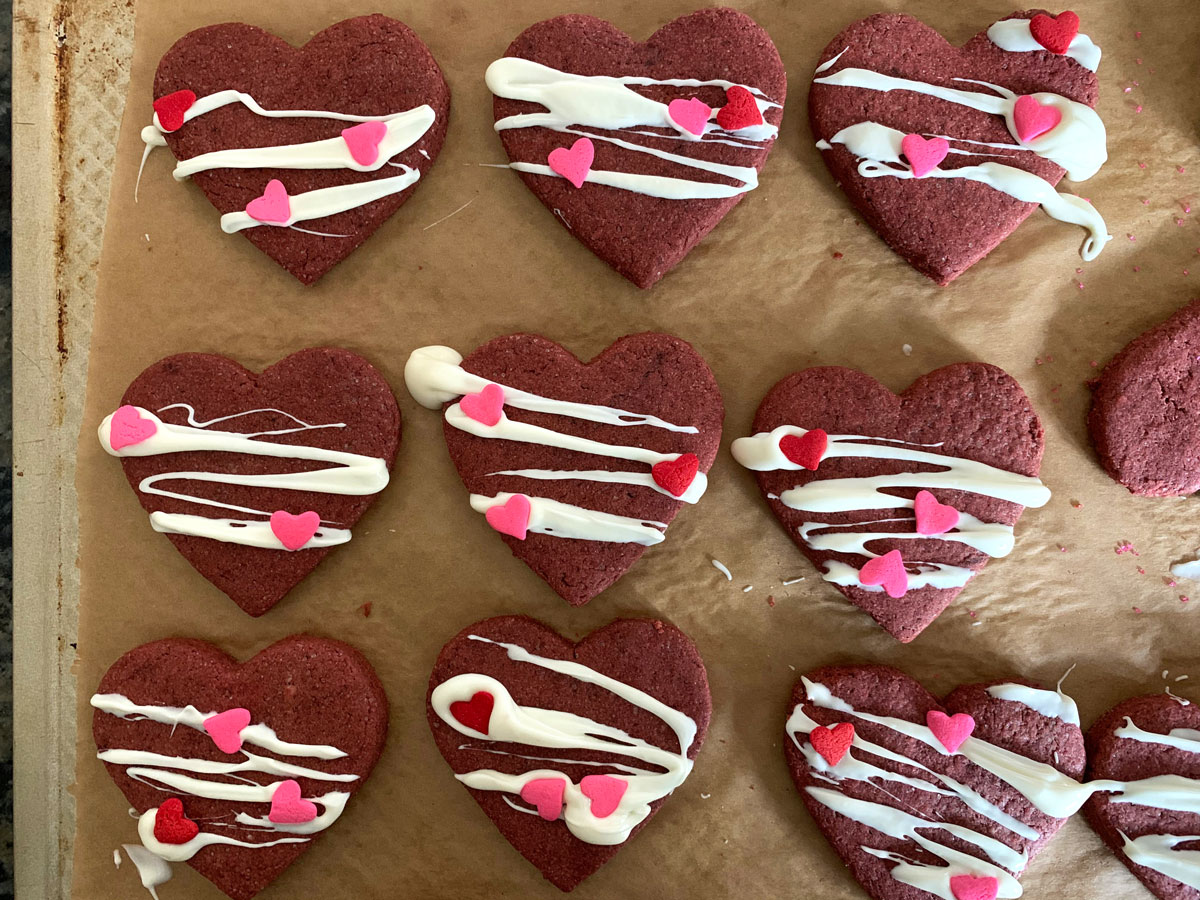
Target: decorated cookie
579,467
1145,418
1144,757
640,149
899,500
236,768
945,150
304,151
570,748
925,798
254,478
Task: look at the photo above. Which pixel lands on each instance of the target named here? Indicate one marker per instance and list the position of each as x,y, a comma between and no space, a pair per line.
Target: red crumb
972,613
1141,165
1180,169
1137,609
1137,268
366,609
1137,35
838,254
771,600
1141,571
1125,547
1078,504
1183,599
1169,582
1093,364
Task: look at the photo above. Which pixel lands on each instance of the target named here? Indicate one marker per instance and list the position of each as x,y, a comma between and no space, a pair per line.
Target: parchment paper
765,294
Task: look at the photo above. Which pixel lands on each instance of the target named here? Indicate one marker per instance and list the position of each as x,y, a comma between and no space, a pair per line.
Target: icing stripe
1052,704
694,492
1015,36
565,520
551,728
352,475
608,103
327,201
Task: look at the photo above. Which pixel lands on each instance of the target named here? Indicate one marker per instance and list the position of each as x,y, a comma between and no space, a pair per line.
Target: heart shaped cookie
842,461
913,818
254,478
1151,817
237,768
570,748
1145,418
640,149
945,150
304,151
583,466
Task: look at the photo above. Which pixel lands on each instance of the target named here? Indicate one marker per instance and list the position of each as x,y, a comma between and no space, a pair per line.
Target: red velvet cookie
305,151
1145,418
254,477
899,500
237,768
512,705
1151,745
640,149
923,797
579,466
945,150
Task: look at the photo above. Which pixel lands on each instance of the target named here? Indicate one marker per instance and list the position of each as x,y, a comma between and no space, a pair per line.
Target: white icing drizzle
404,129
1015,36
153,871
434,376
761,453
1052,704
1077,143
577,102
878,148
1157,852
350,473
556,729
169,774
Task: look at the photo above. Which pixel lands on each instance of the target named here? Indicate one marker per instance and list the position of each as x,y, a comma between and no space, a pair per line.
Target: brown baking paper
790,279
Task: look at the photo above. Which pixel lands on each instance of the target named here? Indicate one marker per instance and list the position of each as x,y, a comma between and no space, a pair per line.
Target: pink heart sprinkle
363,141
887,570
690,116
272,206
127,427
288,807
950,730
605,792
485,407
974,887
573,164
511,518
547,795
934,517
1032,119
924,154
226,729
294,531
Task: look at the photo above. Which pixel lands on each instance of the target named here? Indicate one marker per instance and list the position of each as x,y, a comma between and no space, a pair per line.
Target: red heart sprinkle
171,826
805,450
475,713
171,107
888,571
1055,33
740,110
676,475
832,742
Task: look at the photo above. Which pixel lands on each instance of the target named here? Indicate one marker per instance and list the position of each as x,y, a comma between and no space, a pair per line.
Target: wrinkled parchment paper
790,279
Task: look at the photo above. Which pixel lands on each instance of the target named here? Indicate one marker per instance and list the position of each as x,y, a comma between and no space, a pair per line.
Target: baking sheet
790,279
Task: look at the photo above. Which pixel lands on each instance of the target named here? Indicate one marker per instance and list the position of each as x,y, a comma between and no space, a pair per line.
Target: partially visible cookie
945,150
236,768
1151,819
640,149
569,747
1145,417
899,499
924,797
255,477
578,466
305,151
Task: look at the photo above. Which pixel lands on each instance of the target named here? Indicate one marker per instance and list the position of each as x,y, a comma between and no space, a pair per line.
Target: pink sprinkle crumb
1078,504
1185,272
1179,221
1127,90
1126,547
972,614
1184,599
1049,358
1138,108
1141,571
1130,236
1038,361
1138,61
1138,610
1093,364
1137,268
1180,169
1170,582
837,254
1062,549
1145,202
1141,165
1079,284
1137,35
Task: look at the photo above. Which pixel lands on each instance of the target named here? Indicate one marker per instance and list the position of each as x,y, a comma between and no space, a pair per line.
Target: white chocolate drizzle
1015,36
349,474
761,453
404,129
1077,143
223,781
582,105
657,773
434,376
